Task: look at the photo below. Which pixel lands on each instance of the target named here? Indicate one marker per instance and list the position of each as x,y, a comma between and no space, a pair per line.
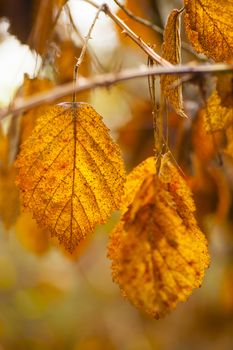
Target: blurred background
50,300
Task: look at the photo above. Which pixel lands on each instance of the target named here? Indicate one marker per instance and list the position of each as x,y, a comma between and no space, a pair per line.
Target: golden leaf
4,148
216,116
79,250
158,252
9,197
229,142
71,174
209,27
225,89
172,53
32,87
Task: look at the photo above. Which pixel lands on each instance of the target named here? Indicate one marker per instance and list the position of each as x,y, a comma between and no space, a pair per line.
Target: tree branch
84,49
104,80
147,49
138,19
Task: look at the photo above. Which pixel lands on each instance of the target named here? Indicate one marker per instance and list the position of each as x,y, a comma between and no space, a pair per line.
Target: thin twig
84,49
91,52
147,49
104,80
153,26
138,19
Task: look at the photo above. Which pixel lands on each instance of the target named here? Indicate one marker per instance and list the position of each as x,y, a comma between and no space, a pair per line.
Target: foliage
69,174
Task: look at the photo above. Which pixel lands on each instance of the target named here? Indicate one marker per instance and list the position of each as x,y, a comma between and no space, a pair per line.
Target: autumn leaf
172,53
216,116
209,27
9,196
71,174
32,87
79,250
225,89
4,147
9,193
44,24
228,150
158,252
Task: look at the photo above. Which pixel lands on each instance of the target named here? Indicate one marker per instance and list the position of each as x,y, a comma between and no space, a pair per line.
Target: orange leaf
216,116
32,87
71,174
172,53
9,196
209,27
225,89
158,252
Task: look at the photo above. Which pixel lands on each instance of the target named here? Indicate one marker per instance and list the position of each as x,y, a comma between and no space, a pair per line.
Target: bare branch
147,49
138,19
104,80
84,49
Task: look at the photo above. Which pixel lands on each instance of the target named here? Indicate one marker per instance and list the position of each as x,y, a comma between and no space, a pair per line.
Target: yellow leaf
206,144
71,173
216,116
209,27
158,252
79,250
172,53
4,148
32,87
229,142
9,196
225,89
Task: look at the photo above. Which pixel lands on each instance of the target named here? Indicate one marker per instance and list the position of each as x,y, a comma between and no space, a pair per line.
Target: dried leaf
209,27
9,196
207,141
172,53
32,87
79,250
229,142
158,252
45,21
216,116
225,89
71,174
204,190
4,148
136,136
